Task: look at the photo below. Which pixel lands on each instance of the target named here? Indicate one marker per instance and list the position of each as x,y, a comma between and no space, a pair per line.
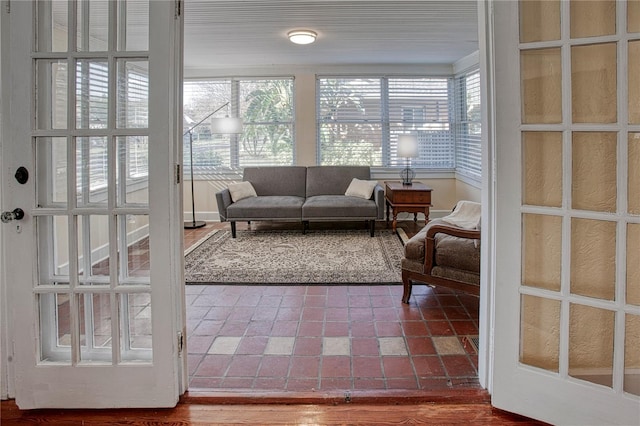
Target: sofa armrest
430,244
224,201
378,197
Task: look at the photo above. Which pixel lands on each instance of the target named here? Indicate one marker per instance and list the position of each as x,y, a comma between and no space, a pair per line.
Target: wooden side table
414,199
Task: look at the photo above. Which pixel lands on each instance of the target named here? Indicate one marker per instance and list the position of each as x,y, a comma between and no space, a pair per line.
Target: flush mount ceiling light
302,36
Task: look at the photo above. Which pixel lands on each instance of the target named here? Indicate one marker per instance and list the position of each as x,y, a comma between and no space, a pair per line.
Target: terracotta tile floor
305,338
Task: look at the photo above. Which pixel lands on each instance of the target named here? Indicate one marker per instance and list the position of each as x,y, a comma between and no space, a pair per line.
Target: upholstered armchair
443,254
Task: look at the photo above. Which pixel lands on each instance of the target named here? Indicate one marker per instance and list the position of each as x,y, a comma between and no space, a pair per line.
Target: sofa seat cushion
266,207
456,275
441,271
328,207
457,253
412,265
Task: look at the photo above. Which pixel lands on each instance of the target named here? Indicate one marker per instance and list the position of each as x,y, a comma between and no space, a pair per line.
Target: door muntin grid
578,160
92,199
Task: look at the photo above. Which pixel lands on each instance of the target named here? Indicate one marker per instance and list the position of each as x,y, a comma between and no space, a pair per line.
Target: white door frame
487,258
488,252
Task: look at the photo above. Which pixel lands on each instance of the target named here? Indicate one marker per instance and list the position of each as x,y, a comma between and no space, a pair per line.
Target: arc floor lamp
226,125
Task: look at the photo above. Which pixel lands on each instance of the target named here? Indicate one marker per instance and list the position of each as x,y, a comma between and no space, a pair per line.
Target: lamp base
194,225
407,176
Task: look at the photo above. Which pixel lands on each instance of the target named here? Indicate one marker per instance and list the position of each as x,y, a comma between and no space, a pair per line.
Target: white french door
567,210
91,93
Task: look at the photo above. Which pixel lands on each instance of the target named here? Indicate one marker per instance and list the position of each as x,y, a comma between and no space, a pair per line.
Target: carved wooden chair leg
406,294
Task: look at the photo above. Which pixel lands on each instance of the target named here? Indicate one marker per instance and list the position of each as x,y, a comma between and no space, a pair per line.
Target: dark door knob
22,175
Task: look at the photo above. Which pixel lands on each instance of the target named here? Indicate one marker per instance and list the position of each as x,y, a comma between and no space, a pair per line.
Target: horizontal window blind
422,106
92,112
468,124
266,107
350,121
92,94
359,120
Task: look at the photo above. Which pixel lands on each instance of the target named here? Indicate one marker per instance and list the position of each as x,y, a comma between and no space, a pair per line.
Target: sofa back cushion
333,180
277,180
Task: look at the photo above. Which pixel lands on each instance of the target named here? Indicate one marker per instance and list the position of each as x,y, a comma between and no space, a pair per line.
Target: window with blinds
350,121
92,111
359,120
468,124
266,107
421,106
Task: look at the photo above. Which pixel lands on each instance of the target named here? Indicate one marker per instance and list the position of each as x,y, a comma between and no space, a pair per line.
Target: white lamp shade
407,146
226,125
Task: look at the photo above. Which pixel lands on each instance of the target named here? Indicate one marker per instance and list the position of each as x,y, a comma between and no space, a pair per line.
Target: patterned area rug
290,257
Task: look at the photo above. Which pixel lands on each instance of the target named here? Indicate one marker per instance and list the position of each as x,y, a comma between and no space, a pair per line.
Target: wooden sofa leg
305,226
407,284
372,227
233,229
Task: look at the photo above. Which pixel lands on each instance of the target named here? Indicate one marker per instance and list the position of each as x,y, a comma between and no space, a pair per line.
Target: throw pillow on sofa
241,190
361,188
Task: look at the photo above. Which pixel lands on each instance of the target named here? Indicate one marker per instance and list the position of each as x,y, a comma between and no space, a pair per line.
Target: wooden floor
273,414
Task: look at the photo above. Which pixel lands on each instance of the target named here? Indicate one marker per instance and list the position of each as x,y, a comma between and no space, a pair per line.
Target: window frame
390,127
231,167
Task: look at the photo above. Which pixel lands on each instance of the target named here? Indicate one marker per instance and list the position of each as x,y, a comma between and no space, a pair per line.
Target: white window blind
92,94
468,125
359,120
92,112
266,107
350,121
421,106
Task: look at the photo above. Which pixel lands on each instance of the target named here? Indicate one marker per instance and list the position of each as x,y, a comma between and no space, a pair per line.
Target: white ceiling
236,33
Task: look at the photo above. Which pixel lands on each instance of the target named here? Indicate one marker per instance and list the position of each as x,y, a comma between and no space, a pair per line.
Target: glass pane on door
591,332
94,297
579,192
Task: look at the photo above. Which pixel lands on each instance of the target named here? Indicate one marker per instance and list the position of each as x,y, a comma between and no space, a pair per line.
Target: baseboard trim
385,397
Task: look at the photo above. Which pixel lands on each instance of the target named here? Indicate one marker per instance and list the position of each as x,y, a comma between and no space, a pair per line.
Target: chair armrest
224,201
378,197
430,243
454,231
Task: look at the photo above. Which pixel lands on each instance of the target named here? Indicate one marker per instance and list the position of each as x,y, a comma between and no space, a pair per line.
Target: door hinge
180,343
178,10
7,6
178,171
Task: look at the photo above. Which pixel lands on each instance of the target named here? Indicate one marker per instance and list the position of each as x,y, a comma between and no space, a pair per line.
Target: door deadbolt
16,214
22,175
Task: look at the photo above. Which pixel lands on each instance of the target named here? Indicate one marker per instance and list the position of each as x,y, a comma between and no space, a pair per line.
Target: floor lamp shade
226,125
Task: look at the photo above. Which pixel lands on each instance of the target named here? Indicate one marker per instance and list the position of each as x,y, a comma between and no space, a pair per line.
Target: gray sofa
302,194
